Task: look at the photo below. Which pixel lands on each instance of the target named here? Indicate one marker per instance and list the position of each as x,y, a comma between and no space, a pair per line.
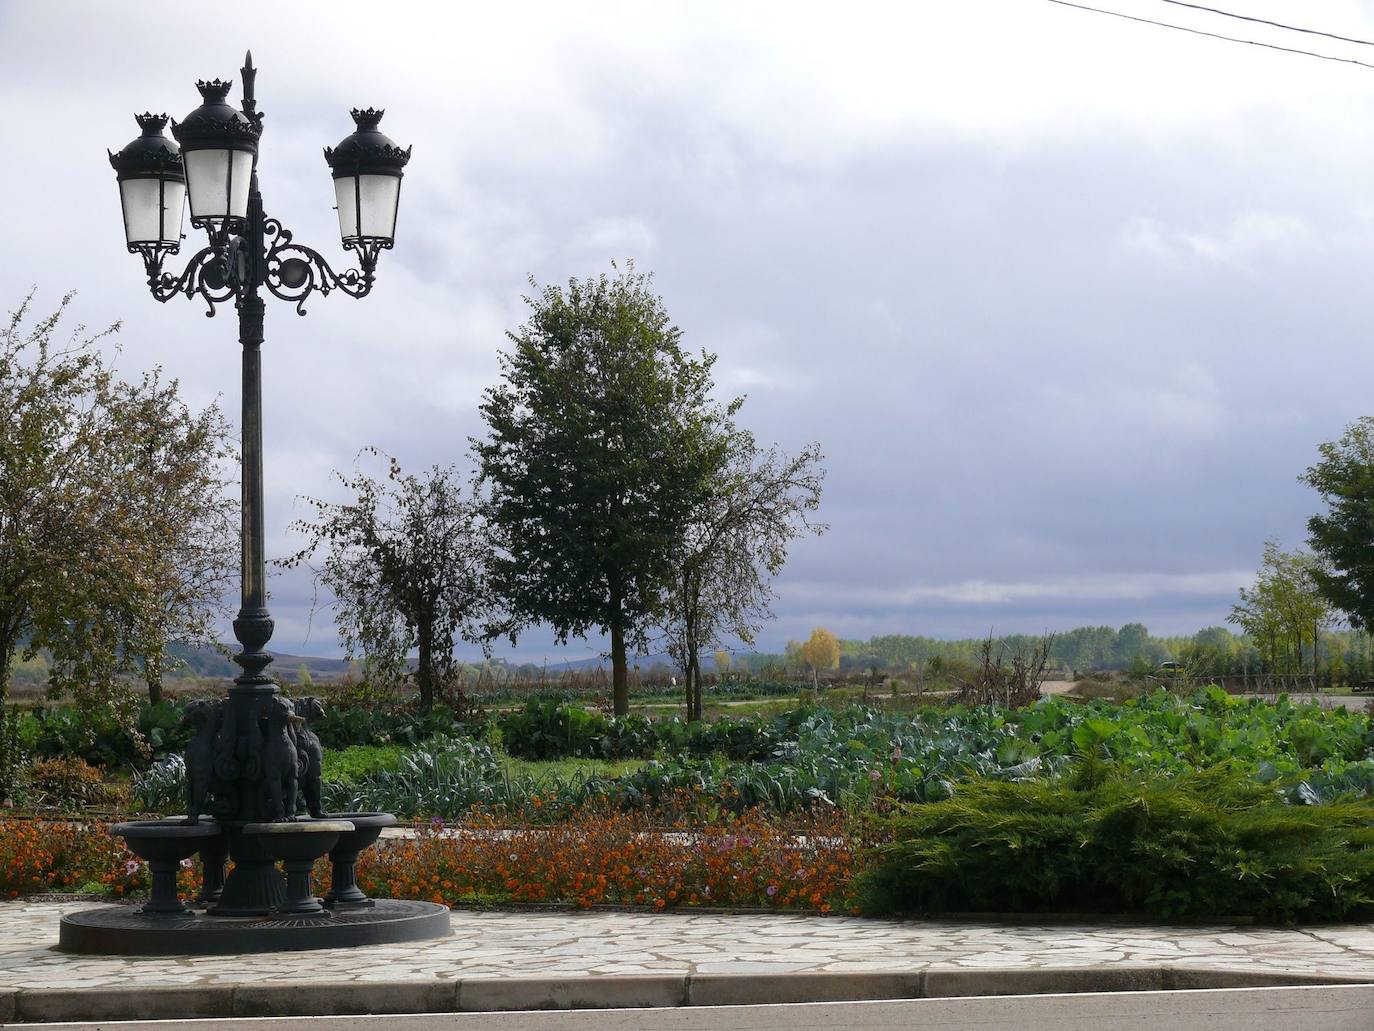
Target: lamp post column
254,886
253,626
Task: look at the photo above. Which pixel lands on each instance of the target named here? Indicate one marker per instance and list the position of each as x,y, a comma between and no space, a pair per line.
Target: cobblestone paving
503,944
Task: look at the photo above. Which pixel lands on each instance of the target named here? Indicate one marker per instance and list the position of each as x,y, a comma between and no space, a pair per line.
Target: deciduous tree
601,436
820,651
408,561
735,542
105,488
179,460
1343,536
1285,609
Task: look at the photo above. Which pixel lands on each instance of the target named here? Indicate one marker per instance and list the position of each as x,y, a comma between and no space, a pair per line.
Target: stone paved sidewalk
576,945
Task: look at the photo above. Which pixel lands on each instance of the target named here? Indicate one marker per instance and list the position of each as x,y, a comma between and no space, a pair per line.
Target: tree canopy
408,561
1343,536
749,511
110,492
601,436
1285,609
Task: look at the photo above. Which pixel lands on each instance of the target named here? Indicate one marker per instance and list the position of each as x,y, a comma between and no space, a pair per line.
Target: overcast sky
1068,301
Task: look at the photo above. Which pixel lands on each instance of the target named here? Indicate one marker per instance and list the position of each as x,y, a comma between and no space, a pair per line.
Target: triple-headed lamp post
244,764
213,164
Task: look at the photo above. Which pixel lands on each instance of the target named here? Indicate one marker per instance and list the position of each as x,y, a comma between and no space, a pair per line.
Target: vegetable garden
1204,806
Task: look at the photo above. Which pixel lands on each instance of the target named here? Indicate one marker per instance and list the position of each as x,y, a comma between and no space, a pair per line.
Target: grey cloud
1062,347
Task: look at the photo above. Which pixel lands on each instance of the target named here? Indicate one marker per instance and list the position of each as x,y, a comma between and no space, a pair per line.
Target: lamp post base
115,930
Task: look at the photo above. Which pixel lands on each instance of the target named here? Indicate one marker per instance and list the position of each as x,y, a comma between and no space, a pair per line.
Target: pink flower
772,890
875,774
131,867
186,864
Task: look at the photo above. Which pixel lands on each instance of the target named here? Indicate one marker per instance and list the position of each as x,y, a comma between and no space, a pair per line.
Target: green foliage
160,725
103,739
1343,536
162,787
1210,844
347,725
601,435
116,524
359,762
407,562
445,777
14,757
552,729
1083,648
1285,609
65,731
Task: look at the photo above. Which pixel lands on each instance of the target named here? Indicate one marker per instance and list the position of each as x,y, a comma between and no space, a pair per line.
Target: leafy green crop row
850,757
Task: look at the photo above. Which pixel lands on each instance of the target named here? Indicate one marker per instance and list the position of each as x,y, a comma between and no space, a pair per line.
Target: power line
1212,35
1266,21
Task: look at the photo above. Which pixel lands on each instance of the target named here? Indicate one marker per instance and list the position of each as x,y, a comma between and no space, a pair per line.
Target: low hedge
1209,845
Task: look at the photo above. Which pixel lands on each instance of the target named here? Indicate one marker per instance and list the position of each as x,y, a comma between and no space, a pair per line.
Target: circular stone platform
123,931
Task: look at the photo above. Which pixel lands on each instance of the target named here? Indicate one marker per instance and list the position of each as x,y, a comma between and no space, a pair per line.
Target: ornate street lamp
250,748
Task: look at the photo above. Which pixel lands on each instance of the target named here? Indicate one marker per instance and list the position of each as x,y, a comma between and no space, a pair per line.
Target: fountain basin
298,843
164,844
343,891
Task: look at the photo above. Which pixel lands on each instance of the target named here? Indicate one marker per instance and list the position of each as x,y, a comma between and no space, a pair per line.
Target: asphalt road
1345,1007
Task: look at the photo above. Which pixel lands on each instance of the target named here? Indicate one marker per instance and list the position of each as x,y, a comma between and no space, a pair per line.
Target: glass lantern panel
346,202
377,217
207,176
139,198
242,179
379,195
173,204
218,181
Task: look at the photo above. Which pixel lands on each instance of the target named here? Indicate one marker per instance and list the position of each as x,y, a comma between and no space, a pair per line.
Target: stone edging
309,998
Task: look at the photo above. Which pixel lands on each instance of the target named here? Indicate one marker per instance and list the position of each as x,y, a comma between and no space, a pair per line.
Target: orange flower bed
40,856
596,855
600,855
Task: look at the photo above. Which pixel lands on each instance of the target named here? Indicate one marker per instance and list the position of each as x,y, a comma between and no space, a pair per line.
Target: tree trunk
424,673
7,647
154,683
620,680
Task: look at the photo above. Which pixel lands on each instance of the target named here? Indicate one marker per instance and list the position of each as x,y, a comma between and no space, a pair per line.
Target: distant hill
201,663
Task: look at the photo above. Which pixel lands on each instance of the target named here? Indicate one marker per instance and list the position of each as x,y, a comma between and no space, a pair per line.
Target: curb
488,994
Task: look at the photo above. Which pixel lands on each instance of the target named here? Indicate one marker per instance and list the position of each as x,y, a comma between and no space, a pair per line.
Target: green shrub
162,787
1208,845
346,725
161,727
66,732
14,757
444,777
69,784
357,762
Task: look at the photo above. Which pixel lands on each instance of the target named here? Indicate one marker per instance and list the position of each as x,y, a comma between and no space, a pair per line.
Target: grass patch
565,769
356,762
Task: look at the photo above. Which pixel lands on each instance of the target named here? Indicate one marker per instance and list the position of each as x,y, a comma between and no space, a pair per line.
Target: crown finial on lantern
214,91
151,124
367,118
